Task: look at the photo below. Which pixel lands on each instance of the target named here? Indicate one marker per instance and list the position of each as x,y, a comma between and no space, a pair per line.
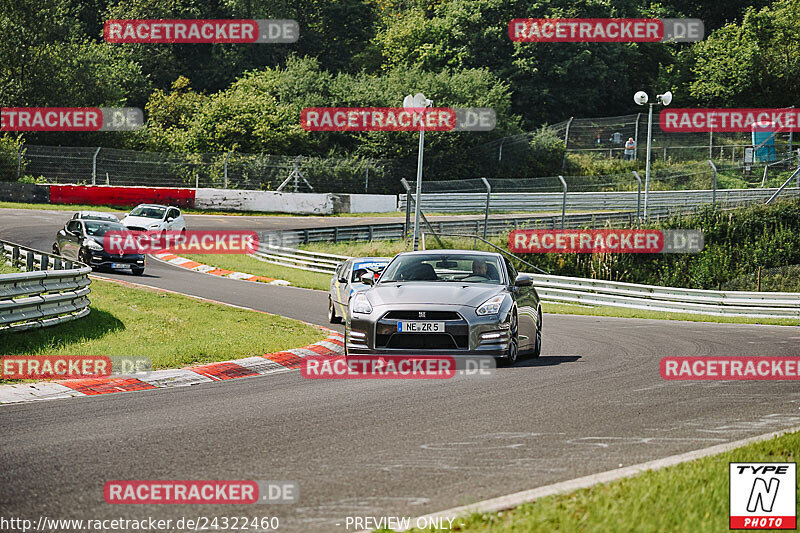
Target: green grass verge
691,496
567,309
171,329
243,263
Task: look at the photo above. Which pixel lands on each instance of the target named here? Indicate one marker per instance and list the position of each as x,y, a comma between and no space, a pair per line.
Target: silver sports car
446,302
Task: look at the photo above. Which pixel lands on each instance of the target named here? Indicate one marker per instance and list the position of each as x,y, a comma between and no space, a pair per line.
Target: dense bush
737,243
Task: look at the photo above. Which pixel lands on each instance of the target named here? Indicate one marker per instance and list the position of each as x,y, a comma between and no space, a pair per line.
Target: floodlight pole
419,185
647,165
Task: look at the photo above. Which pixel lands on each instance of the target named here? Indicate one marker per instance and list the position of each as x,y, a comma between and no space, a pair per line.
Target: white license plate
420,327
120,265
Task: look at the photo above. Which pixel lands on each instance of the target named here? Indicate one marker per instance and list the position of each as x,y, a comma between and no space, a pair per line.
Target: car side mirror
523,280
342,279
170,219
368,278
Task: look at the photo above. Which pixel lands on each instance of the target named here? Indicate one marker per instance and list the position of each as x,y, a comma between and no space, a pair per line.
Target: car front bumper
465,333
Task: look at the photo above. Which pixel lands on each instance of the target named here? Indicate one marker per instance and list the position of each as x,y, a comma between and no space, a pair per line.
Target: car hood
431,292
141,222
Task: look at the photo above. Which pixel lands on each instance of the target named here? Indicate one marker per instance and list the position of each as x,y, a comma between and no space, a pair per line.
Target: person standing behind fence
630,149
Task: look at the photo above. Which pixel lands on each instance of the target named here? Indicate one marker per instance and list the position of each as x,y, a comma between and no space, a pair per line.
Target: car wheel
83,257
512,353
332,318
537,349
137,271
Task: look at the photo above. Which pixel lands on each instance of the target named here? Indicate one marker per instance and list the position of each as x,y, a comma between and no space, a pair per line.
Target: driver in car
479,268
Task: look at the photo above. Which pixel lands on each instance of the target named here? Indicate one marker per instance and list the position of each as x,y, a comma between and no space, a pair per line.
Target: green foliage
737,243
9,153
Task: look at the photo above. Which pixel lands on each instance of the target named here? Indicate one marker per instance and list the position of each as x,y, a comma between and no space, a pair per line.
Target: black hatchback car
82,240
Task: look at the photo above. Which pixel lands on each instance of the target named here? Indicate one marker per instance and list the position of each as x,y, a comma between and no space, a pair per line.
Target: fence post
196,180
407,228
563,202
488,199
636,137
94,166
366,178
566,143
638,195
225,168
714,191
710,144
19,159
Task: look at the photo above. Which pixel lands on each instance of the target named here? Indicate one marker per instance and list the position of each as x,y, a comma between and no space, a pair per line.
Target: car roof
94,213
155,205
451,252
362,259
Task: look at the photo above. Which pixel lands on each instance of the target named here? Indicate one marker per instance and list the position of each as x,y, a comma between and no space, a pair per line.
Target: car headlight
93,245
491,306
361,304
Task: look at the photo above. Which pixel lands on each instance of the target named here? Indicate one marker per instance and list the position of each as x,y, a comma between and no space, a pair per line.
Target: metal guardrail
587,201
51,290
561,289
301,259
592,292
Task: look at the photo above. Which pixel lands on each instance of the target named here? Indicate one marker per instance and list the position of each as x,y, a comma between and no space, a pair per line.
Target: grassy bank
691,496
173,330
243,263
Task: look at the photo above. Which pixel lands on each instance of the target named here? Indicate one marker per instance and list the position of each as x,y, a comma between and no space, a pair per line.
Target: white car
154,217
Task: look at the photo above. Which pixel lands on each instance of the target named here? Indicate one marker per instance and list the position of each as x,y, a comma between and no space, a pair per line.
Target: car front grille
429,315
136,228
422,341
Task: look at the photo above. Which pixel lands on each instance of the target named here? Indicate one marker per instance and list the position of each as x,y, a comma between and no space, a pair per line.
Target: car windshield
359,269
148,212
462,268
98,229
97,216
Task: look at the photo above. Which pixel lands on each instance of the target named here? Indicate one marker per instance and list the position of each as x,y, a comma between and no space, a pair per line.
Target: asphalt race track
593,402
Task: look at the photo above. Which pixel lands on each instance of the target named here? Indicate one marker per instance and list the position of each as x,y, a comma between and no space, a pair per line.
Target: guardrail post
14,256
305,236
638,195
563,202
29,264
714,190
94,166
371,229
45,262
407,227
56,263
488,199
336,234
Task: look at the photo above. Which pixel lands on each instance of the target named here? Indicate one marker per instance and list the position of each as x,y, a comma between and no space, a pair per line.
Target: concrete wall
264,201
372,203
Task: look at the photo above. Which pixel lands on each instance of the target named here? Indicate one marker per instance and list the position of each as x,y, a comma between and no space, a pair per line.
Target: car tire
83,258
332,318
537,349
512,352
137,271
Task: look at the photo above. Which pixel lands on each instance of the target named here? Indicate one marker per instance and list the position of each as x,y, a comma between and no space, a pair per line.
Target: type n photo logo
763,495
